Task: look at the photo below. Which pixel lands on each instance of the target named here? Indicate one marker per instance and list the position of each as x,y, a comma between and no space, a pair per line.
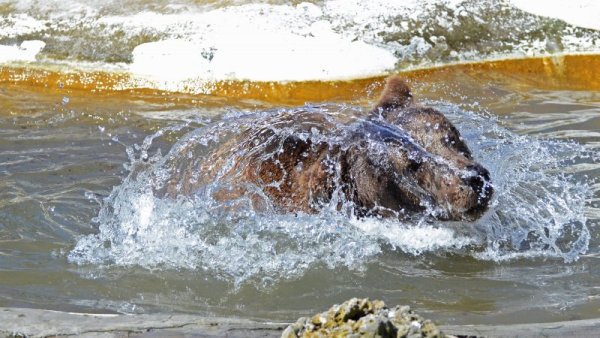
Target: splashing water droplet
536,211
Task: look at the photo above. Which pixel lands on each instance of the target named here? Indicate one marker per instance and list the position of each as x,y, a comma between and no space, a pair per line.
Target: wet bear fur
402,160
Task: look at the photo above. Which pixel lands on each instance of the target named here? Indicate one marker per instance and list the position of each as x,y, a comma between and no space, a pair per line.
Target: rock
364,318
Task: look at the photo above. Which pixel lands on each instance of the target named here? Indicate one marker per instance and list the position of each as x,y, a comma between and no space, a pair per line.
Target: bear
400,160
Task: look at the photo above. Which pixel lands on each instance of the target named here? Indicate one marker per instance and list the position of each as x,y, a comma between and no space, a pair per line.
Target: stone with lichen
364,318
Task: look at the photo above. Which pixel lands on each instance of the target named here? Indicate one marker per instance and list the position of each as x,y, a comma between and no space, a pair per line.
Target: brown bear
401,160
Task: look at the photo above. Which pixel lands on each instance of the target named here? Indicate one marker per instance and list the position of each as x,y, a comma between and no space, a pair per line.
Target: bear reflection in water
401,160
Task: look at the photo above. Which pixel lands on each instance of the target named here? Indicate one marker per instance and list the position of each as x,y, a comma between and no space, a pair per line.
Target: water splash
537,210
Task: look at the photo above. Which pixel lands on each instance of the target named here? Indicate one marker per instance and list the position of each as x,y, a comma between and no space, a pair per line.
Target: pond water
85,131
80,233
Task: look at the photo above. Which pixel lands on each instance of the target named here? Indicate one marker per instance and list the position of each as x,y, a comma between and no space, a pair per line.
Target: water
139,225
83,147
80,232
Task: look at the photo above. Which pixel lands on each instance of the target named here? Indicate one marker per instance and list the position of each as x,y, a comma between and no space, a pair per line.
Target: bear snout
479,181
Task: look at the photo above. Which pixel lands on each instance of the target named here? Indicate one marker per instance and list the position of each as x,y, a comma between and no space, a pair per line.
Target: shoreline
25,322
573,71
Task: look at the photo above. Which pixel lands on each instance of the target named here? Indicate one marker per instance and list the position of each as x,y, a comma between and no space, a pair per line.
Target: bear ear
396,94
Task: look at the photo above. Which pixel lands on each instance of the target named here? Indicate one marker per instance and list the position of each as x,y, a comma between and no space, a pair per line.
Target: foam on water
537,211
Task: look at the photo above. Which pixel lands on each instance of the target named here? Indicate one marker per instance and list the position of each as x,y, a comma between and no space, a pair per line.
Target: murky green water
63,152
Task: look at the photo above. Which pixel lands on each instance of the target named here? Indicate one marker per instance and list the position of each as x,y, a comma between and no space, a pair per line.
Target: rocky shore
364,318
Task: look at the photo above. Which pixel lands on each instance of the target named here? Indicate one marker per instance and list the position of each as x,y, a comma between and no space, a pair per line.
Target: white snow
582,13
26,51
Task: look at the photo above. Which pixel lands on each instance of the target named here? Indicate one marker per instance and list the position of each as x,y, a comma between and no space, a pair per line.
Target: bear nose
481,184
